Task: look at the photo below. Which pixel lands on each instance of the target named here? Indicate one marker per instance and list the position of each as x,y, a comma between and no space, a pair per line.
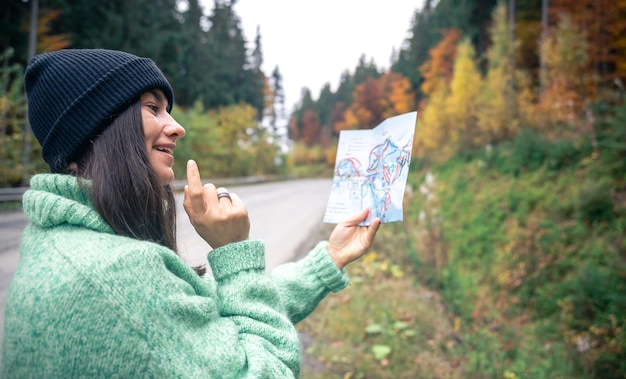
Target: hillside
511,263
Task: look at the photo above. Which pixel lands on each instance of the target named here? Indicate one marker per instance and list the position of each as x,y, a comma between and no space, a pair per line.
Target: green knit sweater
85,302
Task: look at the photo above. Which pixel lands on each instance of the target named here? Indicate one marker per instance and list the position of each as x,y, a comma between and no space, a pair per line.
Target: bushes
531,151
535,234
611,136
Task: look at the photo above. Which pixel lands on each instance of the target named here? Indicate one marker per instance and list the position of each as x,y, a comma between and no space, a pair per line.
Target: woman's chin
166,176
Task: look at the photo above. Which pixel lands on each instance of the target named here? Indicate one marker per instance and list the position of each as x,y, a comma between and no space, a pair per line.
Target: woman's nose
173,128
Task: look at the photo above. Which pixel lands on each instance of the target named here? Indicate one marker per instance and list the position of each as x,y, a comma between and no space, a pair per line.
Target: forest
516,203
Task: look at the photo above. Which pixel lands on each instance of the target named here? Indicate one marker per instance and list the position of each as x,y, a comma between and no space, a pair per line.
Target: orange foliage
310,127
367,103
567,77
47,42
348,121
618,31
375,100
399,97
438,70
604,22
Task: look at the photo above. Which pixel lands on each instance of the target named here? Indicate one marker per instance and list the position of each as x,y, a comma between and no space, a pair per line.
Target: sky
314,42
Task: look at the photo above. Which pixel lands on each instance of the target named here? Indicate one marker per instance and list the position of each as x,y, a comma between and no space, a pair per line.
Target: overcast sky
313,42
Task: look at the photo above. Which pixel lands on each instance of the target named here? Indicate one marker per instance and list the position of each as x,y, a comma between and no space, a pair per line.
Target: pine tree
277,106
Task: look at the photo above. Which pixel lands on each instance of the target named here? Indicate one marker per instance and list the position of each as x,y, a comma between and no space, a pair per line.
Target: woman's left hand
218,220
349,241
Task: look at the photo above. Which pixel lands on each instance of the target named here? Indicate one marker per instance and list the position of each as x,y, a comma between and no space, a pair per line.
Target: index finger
194,187
193,175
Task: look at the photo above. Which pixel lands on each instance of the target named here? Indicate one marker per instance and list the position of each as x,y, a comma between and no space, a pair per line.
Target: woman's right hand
218,221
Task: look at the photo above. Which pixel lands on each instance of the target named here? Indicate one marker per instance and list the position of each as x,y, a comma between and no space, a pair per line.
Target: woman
99,290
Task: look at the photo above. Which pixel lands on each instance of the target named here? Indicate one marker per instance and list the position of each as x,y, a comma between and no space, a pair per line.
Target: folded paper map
371,170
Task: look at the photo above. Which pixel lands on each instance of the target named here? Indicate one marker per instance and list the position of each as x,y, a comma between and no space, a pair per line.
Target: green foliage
530,150
15,167
227,142
595,204
534,233
401,330
611,136
208,63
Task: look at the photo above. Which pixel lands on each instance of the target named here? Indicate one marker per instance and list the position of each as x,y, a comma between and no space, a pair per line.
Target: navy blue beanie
74,94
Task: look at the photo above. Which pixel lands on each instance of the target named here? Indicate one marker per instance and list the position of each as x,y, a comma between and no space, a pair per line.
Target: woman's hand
219,221
349,241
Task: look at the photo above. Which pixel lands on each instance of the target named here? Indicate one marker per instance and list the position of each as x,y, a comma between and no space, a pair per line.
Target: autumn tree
235,126
604,24
311,127
46,41
433,125
398,97
433,122
566,75
347,121
367,103
201,141
618,40
377,99
497,118
463,103
438,69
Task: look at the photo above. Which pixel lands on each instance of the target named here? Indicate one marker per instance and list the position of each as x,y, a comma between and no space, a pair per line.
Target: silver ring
223,194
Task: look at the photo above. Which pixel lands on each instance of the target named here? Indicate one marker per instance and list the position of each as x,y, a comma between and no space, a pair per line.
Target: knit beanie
74,94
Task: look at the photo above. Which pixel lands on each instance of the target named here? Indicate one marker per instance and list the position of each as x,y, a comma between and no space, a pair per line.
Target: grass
384,325
10,206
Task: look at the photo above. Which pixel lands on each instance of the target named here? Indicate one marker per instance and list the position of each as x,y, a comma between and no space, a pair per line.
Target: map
371,170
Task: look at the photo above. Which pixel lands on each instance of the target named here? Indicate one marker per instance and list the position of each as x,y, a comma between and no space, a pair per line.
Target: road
283,214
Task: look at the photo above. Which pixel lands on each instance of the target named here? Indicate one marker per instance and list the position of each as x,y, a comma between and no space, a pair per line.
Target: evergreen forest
515,211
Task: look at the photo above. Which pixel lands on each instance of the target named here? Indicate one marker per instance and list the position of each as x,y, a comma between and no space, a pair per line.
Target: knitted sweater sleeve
248,298
303,284
236,328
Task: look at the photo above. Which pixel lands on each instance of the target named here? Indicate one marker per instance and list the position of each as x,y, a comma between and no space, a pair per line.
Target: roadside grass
384,325
313,170
10,206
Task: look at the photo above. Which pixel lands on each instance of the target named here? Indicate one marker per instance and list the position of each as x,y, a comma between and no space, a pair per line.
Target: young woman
99,290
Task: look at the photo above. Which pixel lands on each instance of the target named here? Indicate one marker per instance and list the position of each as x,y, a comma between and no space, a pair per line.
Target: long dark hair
125,189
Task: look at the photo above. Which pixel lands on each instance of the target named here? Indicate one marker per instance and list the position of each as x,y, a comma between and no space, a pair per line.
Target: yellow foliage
462,105
432,124
331,155
498,102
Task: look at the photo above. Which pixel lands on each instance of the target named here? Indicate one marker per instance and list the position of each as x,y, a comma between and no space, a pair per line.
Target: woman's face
161,132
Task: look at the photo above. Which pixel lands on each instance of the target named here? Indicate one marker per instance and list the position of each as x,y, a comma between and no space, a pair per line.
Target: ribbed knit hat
74,94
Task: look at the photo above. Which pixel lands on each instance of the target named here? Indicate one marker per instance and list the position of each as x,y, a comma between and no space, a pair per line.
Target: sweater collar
55,199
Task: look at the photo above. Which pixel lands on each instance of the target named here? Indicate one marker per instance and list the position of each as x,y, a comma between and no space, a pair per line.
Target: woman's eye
153,108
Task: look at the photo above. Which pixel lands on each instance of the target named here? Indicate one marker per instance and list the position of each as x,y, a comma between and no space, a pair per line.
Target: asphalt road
286,215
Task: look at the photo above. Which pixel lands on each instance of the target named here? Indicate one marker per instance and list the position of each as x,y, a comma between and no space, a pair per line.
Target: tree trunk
32,45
